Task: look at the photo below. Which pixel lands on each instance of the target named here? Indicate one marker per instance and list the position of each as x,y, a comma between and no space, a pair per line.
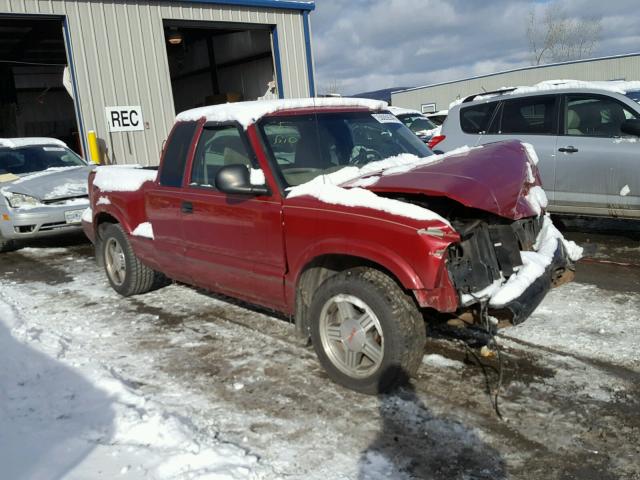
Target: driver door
233,243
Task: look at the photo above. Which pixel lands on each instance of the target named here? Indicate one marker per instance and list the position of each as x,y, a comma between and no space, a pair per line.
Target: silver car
43,189
585,135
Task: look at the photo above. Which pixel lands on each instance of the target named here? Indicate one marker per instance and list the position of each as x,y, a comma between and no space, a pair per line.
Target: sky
363,45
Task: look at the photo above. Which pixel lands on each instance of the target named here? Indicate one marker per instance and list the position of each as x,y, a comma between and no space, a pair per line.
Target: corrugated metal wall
120,58
614,68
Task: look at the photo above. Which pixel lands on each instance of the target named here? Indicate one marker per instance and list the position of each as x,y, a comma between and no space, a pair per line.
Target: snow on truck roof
29,141
246,113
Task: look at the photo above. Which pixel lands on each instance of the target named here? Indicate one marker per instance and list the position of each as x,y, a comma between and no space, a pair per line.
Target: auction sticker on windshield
73,216
385,118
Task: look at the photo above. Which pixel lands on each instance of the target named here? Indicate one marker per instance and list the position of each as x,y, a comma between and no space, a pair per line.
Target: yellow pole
94,149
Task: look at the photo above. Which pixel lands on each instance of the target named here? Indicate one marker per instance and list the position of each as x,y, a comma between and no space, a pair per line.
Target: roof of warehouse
280,4
532,67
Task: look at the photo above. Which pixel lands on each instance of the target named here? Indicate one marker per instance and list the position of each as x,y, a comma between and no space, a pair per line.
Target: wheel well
318,271
102,219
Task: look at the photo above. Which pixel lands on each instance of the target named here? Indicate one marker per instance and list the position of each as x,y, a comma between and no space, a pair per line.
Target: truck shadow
51,418
414,442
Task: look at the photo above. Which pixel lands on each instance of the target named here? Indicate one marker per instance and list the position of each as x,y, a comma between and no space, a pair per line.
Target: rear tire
367,332
125,272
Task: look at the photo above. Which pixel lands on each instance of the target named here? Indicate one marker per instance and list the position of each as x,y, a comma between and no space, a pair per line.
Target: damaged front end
490,256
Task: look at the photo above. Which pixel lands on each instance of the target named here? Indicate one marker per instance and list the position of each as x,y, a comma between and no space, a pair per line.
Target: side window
476,119
595,116
529,115
175,157
218,147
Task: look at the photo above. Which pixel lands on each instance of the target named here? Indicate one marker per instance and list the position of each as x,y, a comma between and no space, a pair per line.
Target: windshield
417,123
36,159
306,146
635,96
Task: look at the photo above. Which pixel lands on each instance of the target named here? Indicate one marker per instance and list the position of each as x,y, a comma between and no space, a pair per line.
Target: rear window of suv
476,119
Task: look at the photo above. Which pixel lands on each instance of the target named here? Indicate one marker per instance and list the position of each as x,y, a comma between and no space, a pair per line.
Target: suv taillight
435,140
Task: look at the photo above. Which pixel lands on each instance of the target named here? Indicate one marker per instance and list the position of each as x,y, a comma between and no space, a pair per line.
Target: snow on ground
180,384
65,413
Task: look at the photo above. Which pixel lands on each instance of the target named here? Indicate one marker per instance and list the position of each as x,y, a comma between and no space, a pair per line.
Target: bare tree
333,87
557,38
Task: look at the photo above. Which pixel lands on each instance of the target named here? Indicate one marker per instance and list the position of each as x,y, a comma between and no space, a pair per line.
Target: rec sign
124,119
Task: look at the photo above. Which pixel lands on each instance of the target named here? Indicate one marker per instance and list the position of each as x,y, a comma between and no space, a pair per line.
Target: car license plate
73,216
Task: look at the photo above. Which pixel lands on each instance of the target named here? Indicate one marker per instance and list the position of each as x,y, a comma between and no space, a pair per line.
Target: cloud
372,44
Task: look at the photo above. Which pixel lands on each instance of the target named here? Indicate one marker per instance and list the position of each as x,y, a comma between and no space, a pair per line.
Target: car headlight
19,200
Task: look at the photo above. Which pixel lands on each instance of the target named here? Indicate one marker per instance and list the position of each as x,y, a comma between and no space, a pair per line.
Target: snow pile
103,201
430,133
624,191
144,230
247,113
30,142
403,111
621,87
531,151
537,198
87,215
256,176
69,189
435,360
534,263
119,179
58,421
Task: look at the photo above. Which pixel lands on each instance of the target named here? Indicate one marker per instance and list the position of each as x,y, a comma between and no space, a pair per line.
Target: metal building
432,98
124,68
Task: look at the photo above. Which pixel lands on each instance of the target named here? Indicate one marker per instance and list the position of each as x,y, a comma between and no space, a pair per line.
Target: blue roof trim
531,67
276,60
278,4
307,46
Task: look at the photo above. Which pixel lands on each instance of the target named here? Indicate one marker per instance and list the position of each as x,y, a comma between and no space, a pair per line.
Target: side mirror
235,179
631,127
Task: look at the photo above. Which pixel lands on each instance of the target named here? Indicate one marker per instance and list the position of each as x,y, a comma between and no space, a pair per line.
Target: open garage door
33,98
219,63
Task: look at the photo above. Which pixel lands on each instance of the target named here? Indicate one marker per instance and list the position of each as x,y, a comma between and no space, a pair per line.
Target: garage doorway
213,63
34,101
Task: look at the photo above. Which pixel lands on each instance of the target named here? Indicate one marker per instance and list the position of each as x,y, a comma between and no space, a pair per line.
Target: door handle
569,149
186,207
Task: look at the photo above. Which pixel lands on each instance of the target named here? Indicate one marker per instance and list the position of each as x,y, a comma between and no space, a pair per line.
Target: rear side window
476,119
175,157
530,115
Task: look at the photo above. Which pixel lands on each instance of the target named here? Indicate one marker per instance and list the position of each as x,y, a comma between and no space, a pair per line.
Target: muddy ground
570,396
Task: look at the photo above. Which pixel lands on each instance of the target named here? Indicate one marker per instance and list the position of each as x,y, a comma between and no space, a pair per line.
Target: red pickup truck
333,212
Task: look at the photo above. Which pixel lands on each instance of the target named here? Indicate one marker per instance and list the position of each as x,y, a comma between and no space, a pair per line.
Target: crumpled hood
51,184
494,178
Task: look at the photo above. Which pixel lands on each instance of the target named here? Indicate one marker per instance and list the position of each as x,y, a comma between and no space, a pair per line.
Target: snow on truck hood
246,113
487,177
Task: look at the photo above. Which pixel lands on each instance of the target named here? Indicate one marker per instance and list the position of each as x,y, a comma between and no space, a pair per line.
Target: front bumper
25,224
560,271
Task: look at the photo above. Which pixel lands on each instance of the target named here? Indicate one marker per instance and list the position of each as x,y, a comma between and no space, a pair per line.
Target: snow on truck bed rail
116,178
246,113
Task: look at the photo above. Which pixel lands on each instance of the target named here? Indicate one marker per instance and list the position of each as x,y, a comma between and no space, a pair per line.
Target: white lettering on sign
124,119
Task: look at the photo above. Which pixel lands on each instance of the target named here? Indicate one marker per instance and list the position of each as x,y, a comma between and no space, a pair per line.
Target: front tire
125,272
7,245
367,332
